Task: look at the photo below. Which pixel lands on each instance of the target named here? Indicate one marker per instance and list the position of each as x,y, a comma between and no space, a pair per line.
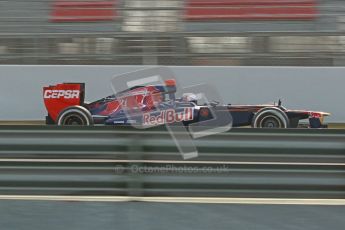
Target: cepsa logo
56,94
168,116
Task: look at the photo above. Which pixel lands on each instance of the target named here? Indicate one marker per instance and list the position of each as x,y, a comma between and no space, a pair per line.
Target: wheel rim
270,122
73,119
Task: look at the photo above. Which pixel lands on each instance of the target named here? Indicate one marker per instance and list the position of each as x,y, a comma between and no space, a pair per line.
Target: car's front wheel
270,118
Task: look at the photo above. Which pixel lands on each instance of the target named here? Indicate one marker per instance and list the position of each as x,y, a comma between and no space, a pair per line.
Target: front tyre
271,117
75,115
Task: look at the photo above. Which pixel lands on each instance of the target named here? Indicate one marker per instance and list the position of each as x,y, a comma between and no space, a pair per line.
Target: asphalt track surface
42,122
56,215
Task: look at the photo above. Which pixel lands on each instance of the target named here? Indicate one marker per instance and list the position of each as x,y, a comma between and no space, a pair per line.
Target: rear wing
58,97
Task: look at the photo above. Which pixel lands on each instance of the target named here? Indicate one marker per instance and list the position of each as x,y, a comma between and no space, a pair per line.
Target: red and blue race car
153,105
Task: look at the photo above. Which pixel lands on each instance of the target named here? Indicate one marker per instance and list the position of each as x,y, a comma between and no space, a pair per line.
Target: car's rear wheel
75,115
270,118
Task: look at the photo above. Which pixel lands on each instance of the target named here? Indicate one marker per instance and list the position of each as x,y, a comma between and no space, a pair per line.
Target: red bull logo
168,116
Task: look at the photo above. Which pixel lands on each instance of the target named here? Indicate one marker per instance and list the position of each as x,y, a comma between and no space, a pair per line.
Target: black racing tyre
270,117
75,115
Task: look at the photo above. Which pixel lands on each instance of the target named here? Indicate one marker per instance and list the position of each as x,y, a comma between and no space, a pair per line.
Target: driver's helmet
188,97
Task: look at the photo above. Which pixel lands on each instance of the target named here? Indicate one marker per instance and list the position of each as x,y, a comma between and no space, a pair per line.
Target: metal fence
156,32
41,160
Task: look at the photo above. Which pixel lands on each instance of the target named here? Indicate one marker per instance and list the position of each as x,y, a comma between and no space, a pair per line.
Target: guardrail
50,160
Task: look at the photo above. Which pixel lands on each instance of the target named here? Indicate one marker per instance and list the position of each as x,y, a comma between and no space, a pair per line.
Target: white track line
204,200
167,162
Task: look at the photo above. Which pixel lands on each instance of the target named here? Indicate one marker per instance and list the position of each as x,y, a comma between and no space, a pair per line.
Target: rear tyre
271,117
75,115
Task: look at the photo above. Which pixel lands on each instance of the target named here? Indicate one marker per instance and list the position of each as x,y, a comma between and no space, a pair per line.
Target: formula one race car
157,105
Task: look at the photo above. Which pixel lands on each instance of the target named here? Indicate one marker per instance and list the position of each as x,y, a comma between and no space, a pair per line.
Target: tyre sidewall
78,111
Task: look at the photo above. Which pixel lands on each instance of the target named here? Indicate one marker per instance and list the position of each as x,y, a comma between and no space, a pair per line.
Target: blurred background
173,32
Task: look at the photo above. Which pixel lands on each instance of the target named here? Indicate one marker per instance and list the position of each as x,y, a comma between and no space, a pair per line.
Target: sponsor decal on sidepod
168,116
